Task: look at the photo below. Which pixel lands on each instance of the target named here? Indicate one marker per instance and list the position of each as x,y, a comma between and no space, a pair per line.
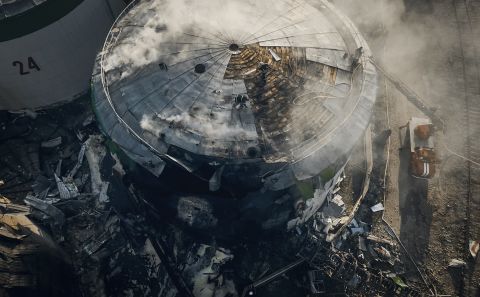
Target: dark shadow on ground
415,211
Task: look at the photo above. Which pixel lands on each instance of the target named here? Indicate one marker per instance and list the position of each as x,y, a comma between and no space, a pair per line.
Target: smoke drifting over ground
434,47
406,36
420,42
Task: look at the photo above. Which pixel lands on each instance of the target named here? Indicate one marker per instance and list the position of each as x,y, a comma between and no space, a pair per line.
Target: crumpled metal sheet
79,163
50,210
67,190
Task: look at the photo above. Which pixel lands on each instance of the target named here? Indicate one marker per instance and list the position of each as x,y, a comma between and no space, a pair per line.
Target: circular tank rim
367,92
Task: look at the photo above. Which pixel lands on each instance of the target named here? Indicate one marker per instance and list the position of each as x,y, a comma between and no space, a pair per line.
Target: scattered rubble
196,212
208,280
474,247
456,263
62,207
52,142
377,207
115,243
30,260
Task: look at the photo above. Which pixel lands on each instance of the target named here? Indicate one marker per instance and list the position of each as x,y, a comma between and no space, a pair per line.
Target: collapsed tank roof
279,81
9,8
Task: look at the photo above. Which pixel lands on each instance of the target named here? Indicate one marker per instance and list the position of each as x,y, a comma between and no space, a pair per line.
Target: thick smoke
166,24
161,28
421,42
408,37
218,129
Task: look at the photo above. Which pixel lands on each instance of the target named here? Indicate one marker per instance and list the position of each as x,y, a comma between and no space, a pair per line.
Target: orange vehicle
422,153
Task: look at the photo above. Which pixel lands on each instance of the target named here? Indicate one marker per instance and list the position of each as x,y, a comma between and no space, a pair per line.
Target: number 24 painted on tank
31,65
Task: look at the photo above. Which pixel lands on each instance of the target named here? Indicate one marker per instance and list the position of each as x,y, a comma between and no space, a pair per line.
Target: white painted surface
65,53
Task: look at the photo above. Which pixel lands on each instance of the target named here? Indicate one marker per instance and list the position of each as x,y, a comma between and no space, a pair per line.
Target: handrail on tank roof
106,46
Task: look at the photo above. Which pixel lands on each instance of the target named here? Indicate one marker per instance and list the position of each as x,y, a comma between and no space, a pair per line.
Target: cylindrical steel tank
47,48
247,95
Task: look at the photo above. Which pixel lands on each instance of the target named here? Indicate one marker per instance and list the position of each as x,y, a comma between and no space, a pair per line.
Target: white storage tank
47,48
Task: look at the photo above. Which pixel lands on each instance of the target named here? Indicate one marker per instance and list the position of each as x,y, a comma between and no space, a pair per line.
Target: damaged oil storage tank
47,48
264,98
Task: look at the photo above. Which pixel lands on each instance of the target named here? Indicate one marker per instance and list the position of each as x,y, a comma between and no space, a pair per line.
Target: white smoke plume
218,129
164,24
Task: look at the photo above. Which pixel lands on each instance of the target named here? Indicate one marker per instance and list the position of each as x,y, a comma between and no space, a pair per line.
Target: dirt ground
430,45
